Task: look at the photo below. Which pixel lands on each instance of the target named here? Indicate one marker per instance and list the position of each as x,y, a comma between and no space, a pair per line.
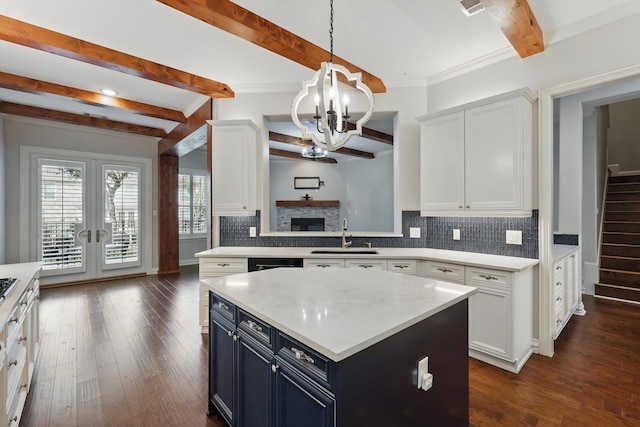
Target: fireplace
307,224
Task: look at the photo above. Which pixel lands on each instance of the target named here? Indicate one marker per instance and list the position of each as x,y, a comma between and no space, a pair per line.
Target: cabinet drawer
216,267
324,263
222,307
310,363
13,324
255,328
406,266
484,277
367,264
449,272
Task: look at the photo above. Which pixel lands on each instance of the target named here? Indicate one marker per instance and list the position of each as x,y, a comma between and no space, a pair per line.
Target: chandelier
332,128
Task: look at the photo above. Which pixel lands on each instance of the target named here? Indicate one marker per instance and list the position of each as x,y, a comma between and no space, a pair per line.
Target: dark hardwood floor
129,353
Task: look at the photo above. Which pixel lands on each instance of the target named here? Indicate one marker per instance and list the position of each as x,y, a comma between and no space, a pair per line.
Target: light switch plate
414,232
514,237
456,234
252,231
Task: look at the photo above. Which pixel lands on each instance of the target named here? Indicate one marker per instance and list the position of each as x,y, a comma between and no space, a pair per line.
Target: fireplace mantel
308,203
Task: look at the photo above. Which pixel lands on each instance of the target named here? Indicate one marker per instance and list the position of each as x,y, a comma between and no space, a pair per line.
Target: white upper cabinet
233,167
476,160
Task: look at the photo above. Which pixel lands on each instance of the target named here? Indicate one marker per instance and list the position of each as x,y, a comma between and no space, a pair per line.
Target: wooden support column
168,239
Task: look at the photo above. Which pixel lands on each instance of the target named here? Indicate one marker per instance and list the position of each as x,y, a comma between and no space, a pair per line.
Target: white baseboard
192,261
534,346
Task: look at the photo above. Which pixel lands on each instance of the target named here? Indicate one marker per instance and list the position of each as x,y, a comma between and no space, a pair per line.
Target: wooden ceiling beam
297,156
373,134
245,24
519,25
78,119
175,143
25,84
293,140
22,33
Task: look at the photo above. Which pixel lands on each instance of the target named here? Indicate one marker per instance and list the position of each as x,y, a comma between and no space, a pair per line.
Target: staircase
620,250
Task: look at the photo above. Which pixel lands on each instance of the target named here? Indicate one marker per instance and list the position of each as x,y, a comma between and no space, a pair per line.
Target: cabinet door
233,168
222,339
299,402
442,164
491,312
494,156
255,384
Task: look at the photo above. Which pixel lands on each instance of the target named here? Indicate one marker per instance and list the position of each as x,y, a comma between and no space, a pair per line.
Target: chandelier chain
331,32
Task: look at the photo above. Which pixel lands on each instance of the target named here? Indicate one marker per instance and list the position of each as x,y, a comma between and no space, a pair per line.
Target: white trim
545,177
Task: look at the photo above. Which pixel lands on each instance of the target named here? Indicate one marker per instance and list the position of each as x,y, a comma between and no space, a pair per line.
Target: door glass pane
61,213
122,211
199,204
184,204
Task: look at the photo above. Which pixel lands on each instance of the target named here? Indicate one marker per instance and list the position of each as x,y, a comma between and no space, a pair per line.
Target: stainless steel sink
346,251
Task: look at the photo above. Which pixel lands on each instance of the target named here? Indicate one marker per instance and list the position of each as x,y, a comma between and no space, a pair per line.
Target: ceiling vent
471,7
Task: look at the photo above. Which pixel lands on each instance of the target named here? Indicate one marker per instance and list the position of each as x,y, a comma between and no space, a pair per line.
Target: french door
87,216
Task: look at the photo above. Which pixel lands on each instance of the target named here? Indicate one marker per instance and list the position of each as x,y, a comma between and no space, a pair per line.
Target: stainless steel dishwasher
258,264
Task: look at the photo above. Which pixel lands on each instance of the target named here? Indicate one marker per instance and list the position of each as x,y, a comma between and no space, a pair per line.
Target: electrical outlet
514,237
414,232
252,231
456,234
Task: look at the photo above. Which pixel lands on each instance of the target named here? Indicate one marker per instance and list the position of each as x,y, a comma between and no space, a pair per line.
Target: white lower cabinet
19,345
366,263
216,267
566,284
500,312
323,263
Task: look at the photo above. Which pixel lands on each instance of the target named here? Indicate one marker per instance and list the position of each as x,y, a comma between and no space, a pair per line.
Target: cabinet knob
223,305
230,333
274,368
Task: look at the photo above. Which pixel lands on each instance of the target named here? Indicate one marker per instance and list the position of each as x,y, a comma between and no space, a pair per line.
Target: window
192,203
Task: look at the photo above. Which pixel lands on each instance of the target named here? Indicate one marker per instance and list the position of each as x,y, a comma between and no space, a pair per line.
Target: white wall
603,49
41,133
3,186
589,233
408,102
624,135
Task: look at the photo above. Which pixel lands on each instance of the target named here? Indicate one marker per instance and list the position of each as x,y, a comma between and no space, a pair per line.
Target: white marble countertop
24,272
560,251
337,312
473,259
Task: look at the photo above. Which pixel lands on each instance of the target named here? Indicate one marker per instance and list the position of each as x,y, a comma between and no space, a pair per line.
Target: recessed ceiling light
109,92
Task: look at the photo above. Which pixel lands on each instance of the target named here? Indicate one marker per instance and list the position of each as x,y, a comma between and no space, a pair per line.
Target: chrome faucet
345,225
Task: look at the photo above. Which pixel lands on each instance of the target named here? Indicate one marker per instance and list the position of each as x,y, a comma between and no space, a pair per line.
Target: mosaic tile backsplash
483,235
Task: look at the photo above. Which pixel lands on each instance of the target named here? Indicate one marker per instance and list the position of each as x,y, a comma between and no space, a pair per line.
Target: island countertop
337,312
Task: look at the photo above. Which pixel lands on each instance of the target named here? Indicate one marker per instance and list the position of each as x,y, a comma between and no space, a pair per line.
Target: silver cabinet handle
559,299
301,356
12,419
402,266
365,266
558,267
223,264
223,305
24,338
89,236
14,320
323,265
445,270
97,236
558,283
14,363
274,368
488,277
253,325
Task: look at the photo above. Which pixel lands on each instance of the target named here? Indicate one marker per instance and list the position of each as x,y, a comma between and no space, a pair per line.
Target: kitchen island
336,347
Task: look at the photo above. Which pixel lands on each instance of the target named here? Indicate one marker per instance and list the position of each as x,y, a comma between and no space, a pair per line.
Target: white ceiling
404,42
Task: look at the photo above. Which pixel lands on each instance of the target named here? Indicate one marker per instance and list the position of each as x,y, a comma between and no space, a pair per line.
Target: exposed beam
239,21
78,119
22,33
174,143
298,156
519,25
373,134
293,140
25,84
